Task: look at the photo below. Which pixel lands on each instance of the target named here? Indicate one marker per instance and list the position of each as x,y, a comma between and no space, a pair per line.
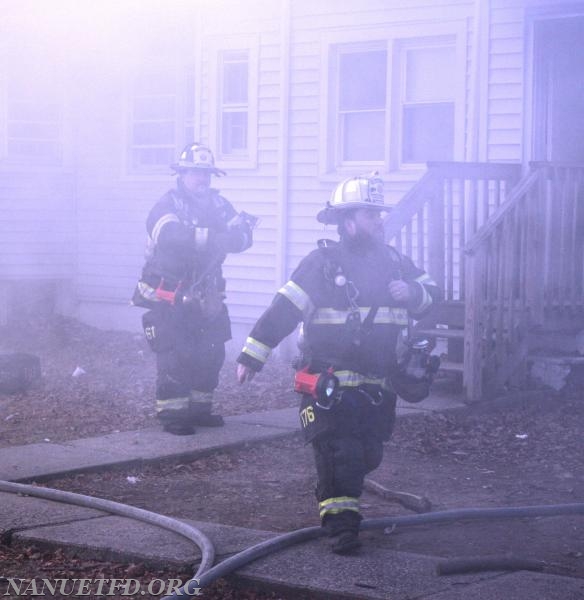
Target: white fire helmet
196,156
363,191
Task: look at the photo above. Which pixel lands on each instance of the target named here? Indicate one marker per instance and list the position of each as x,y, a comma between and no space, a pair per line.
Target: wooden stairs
507,249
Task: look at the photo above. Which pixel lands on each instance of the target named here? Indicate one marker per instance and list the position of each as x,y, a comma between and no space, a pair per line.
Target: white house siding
504,82
37,200
288,185
251,276
37,222
312,21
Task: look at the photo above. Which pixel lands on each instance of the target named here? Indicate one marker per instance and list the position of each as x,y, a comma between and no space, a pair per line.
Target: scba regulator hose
207,574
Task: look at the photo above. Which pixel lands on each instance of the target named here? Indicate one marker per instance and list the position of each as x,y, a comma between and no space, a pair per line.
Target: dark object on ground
457,566
18,372
418,504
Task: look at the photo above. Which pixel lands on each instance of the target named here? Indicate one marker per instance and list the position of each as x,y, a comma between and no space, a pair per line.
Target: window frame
217,48
401,48
339,121
392,38
61,138
180,123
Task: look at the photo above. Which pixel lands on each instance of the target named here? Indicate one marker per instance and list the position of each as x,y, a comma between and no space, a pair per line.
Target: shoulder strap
331,266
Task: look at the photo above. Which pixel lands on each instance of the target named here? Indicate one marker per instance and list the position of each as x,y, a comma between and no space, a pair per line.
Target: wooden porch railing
443,211
512,249
524,264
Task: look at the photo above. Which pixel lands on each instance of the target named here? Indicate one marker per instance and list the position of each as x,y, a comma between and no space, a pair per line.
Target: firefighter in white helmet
190,231
353,298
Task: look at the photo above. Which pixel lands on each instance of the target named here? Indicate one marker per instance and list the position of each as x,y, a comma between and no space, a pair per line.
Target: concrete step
452,334
448,365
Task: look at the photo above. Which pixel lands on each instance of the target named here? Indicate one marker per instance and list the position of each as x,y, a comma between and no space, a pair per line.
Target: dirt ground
518,452
115,391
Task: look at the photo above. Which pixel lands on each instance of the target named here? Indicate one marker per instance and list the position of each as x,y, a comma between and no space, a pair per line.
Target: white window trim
249,44
390,35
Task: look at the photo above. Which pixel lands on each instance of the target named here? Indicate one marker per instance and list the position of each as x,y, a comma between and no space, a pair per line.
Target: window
426,106
233,95
234,103
391,103
33,130
153,120
362,103
162,117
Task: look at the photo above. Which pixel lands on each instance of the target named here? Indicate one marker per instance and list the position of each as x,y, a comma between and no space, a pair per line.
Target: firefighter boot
200,410
176,422
343,531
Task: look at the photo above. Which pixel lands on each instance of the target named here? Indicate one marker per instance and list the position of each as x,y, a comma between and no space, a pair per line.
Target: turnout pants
350,447
190,352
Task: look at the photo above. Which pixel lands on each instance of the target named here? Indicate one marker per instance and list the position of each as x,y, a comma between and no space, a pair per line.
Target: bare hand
244,373
400,290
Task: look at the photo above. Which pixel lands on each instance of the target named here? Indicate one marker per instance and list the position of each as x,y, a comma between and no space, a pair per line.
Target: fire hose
207,574
191,533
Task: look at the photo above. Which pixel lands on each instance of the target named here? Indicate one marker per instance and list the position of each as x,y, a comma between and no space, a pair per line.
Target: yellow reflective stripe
256,349
201,397
168,218
201,237
384,315
172,404
336,505
424,303
393,315
296,295
354,379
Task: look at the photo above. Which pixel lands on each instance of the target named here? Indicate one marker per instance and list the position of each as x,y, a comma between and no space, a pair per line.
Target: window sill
410,173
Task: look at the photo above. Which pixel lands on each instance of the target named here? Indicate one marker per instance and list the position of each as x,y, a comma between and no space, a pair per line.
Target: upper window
362,101
33,130
426,103
234,103
393,104
153,128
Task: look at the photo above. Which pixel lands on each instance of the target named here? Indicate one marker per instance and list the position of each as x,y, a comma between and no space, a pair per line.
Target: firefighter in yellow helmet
353,298
191,229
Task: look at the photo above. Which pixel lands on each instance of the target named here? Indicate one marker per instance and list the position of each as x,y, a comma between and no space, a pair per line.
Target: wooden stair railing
525,262
432,223
447,206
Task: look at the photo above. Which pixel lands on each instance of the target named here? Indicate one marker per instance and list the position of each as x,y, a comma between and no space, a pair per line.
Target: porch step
451,334
453,367
449,312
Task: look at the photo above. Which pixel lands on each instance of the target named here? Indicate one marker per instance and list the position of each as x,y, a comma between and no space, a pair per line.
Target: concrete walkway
374,573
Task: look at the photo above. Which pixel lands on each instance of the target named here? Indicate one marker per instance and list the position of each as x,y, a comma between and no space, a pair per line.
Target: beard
364,240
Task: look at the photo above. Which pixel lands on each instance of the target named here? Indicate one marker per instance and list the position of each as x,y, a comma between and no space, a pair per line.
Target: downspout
282,192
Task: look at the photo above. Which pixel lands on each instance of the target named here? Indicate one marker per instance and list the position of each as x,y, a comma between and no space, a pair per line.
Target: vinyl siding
88,222
37,225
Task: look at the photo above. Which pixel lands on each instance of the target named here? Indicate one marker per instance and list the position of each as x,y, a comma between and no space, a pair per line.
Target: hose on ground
191,533
191,587
206,574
